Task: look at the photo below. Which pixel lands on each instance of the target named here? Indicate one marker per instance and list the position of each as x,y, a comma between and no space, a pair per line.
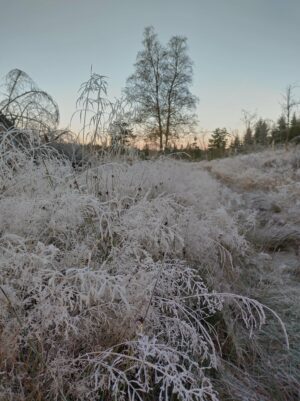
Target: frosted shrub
114,279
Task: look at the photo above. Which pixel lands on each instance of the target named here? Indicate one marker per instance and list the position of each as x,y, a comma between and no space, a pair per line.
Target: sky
245,52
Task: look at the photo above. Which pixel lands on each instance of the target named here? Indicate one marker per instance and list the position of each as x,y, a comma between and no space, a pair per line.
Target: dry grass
130,281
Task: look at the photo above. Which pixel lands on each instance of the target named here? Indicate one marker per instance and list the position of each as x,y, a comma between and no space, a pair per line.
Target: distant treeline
223,144
111,126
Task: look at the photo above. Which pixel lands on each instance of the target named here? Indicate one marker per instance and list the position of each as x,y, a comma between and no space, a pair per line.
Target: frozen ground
154,280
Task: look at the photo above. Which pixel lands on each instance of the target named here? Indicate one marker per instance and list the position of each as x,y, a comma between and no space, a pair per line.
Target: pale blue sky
245,52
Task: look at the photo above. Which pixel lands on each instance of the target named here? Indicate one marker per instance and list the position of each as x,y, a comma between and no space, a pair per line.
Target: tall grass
126,281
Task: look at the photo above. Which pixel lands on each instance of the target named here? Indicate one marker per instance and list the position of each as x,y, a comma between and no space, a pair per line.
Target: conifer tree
248,138
218,141
261,132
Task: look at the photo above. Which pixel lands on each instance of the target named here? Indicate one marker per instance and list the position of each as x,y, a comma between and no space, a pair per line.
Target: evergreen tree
295,127
217,143
236,144
261,132
248,138
279,133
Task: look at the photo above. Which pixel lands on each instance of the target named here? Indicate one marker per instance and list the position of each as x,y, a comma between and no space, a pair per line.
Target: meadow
160,279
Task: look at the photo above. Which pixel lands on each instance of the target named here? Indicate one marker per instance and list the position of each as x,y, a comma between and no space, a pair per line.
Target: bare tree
288,104
120,127
27,106
160,87
249,119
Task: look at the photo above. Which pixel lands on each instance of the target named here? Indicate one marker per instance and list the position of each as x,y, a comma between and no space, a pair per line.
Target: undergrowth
125,281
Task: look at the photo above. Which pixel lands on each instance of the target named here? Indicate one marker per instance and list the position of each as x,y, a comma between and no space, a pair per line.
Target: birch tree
160,87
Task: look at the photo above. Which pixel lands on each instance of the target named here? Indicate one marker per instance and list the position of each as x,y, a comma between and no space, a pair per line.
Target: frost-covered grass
268,183
131,281
259,171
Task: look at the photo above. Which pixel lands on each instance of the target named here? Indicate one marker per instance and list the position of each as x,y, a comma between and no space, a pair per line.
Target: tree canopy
160,87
